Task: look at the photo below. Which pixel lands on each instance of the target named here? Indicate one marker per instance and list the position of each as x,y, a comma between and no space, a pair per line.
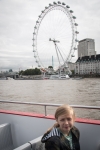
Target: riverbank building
88,62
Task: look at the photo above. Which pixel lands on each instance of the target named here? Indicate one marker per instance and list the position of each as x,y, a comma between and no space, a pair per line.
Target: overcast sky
17,21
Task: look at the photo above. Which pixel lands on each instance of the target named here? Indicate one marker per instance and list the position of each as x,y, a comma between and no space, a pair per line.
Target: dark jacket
55,140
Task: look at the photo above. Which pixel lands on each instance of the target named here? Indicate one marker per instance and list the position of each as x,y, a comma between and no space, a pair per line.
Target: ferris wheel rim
73,24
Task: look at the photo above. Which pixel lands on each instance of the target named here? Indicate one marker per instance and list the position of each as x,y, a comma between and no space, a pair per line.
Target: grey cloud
17,21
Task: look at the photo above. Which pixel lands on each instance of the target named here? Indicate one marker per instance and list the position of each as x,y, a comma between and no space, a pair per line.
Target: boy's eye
69,119
62,119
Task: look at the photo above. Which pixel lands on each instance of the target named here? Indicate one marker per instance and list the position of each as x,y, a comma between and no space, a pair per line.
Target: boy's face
65,123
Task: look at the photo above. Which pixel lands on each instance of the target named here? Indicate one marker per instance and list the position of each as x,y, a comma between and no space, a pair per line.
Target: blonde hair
61,110
64,109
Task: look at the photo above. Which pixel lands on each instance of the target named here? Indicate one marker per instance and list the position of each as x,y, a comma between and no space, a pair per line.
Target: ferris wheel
55,36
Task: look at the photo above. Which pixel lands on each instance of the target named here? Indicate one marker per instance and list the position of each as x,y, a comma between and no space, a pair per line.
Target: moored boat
59,77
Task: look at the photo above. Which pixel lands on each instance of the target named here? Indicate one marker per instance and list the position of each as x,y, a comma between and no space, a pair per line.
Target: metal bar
49,104
45,111
85,107
30,103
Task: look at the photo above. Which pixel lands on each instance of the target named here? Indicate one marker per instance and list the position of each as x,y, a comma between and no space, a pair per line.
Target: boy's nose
66,121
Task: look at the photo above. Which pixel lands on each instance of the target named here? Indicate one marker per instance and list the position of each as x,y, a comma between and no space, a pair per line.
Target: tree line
35,71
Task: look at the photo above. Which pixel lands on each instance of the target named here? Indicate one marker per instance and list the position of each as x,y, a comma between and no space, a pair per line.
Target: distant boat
59,77
9,78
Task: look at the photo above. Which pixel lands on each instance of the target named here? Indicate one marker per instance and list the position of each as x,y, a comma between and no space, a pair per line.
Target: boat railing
49,104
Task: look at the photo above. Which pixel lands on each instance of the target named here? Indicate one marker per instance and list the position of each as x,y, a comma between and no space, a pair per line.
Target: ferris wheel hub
55,41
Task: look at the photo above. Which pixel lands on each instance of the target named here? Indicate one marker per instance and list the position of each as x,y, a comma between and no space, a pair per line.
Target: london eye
55,36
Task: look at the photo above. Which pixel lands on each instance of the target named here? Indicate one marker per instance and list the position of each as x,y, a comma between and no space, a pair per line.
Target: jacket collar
53,132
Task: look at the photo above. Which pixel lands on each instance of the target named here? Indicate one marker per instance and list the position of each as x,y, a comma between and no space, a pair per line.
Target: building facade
9,74
71,66
88,65
86,47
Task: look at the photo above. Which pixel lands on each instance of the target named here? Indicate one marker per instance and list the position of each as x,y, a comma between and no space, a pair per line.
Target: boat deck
27,126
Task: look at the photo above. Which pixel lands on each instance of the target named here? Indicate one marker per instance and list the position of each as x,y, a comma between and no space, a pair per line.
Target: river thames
73,92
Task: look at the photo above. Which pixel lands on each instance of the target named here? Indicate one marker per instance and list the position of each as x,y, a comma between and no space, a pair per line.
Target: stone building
88,62
86,47
88,65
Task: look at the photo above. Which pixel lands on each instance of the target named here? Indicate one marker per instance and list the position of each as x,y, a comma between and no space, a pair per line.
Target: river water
72,92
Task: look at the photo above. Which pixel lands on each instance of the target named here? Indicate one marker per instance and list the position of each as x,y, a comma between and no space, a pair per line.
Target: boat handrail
49,104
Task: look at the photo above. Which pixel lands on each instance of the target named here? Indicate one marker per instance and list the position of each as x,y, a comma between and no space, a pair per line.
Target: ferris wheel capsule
76,40
35,56
54,3
39,65
59,2
72,55
34,50
76,24
50,5
46,7
63,4
76,32
75,48
71,11
74,17
37,21
36,61
33,45
39,16
67,6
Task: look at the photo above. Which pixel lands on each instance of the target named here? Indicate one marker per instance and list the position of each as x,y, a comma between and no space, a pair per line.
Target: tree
35,71
21,72
50,67
73,72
